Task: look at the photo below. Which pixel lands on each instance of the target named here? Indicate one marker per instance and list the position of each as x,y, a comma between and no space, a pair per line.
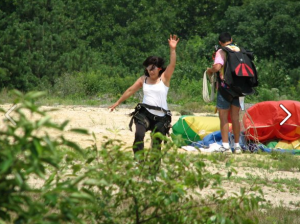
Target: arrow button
289,114
8,112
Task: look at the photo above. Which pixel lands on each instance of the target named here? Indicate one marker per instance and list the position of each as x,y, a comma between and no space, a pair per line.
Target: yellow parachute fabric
195,128
284,144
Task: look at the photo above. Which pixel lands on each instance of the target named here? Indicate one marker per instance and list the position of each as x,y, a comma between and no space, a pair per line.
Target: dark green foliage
40,38
269,28
28,156
44,41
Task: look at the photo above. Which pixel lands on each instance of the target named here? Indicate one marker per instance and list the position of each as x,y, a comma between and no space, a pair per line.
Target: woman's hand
113,107
208,71
173,41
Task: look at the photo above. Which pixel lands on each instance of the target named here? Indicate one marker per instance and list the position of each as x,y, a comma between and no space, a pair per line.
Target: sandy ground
101,122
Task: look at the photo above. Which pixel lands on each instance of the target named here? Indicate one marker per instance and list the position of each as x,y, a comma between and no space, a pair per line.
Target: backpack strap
242,50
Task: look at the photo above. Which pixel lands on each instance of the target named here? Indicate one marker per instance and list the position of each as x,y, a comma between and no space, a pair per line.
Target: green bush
105,185
29,152
89,84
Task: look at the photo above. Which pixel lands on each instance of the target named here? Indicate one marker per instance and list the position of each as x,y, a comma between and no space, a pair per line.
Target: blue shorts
224,104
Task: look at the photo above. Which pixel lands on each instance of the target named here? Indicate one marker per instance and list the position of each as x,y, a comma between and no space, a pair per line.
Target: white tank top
156,95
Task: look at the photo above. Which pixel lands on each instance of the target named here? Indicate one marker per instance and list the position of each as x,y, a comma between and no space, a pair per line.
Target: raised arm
129,92
171,67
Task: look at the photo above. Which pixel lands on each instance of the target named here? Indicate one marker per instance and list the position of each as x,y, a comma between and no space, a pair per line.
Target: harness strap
168,112
131,120
140,105
130,124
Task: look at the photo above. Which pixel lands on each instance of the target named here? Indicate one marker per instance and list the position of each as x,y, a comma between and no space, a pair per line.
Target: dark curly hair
153,60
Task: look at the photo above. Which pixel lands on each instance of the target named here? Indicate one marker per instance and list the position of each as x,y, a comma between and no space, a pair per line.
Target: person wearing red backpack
224,106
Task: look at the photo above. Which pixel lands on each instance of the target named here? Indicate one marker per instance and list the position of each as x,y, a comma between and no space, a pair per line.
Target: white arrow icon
8,112
289,114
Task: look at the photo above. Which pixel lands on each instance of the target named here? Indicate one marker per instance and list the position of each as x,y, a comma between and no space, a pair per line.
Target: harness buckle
154,118
138,106
169,113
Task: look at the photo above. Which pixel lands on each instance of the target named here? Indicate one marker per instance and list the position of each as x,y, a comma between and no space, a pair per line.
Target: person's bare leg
234,114
224,125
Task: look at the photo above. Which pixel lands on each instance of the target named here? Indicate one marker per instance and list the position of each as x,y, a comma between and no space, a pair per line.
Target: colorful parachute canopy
195,128
263,121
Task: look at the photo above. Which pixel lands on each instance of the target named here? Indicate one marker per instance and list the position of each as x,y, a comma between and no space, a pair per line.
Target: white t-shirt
156,95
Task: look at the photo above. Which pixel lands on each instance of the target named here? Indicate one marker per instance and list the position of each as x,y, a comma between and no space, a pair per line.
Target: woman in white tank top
152,114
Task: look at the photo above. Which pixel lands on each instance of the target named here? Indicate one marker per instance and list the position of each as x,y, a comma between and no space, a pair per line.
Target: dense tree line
42,40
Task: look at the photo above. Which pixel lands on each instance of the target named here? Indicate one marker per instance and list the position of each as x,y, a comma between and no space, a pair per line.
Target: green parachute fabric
195,128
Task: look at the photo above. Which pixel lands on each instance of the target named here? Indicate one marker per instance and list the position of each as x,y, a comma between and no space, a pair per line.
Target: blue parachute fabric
243,140
264,148
253,147
269,150
216,137
211,138
199,144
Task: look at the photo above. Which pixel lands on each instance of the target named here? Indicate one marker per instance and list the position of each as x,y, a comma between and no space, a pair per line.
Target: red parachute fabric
262,121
